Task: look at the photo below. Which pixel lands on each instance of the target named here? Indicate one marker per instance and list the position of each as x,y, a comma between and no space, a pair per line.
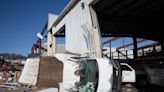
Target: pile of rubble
9,72
33,76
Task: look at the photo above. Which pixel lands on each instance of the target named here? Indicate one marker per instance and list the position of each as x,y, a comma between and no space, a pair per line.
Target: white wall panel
75,41
51,19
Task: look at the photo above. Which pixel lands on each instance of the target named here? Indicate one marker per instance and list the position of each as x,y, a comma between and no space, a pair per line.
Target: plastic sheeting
30,71
105,75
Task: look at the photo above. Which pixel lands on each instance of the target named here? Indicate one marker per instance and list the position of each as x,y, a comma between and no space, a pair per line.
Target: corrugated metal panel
75,18
75,40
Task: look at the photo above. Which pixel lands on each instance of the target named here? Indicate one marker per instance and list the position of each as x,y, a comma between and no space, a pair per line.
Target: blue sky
20,20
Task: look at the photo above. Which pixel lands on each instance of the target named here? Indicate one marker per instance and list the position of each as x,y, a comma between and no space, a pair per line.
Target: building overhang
142,18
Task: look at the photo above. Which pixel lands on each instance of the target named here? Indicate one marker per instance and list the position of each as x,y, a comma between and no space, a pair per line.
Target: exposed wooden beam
109,41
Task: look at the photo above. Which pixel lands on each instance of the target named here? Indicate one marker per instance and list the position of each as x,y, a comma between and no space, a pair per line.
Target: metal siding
75,41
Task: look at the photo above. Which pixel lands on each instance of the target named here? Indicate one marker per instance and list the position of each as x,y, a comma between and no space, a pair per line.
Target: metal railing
128,54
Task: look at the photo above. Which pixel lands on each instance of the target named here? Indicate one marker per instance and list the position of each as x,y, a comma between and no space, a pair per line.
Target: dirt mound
50,72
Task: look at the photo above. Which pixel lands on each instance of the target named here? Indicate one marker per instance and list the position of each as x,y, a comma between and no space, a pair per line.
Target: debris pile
8,72
32,77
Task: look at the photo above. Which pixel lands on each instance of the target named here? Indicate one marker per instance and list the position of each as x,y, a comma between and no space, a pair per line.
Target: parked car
128,73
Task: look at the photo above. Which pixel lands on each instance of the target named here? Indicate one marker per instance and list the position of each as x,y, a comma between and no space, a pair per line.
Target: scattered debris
9,72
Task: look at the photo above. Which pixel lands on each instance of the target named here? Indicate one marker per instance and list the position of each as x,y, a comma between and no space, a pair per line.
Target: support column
135,46
40,45
50,45
110,50
96,33
54,44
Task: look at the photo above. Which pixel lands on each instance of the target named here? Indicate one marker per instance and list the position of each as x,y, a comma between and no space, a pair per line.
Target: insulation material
105,82
29,74
70,66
